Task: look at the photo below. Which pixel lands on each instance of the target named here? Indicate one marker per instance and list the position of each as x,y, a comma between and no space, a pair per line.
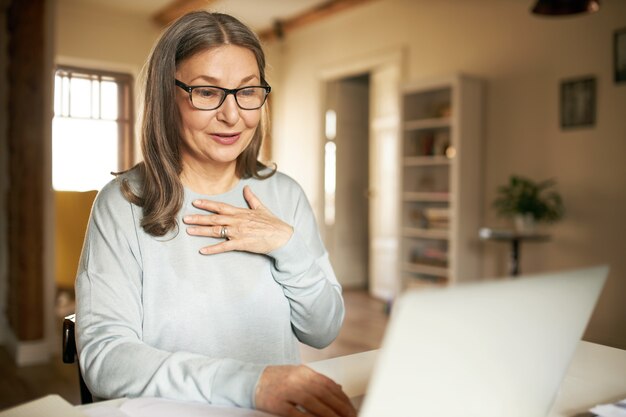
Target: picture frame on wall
619,55
578,102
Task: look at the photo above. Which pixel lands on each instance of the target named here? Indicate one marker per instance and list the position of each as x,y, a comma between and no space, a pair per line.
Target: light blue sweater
157,318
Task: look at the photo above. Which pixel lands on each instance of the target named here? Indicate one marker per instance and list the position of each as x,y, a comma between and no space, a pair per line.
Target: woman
202,268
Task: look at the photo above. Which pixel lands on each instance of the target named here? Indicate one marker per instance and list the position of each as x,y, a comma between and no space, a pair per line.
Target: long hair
161,192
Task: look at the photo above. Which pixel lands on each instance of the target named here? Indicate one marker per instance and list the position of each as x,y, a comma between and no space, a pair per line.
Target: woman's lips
225,138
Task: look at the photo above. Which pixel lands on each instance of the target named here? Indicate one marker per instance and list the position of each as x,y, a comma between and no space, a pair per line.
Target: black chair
69,356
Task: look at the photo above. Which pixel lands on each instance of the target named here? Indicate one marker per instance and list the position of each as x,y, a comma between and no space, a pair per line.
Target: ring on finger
224,233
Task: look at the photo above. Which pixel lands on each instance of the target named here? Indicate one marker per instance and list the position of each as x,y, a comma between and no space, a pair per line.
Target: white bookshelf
441,196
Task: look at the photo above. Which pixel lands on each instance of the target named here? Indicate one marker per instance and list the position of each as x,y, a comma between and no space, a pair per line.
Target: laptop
487,349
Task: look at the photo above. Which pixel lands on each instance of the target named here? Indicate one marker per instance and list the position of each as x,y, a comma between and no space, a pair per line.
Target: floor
363,329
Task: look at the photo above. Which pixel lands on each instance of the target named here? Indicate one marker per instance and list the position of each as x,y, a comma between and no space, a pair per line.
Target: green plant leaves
524,196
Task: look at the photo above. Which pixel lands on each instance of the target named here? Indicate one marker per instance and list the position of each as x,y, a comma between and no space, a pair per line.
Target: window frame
126,111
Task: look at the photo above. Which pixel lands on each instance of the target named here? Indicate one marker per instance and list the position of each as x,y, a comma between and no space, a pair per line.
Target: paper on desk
617,409
159,407
49,406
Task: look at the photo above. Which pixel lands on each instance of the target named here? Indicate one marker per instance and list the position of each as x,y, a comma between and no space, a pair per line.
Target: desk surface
597,375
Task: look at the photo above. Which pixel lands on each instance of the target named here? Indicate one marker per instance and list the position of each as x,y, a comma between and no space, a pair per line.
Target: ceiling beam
178,8
320,12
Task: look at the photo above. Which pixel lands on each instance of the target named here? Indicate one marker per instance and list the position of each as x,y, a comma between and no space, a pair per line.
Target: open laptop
488,349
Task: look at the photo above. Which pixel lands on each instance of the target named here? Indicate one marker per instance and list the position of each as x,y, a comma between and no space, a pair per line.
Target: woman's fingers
222,208
313,405
226,246
252,200
289,390
323,403
207,219
216,207
253,229
334,396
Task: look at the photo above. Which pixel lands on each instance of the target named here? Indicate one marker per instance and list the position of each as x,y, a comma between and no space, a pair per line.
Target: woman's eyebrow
215,81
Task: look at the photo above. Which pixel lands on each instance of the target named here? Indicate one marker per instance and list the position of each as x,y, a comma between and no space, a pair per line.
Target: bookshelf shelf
436,271
440,234
426,196
430,123
440,181
426,160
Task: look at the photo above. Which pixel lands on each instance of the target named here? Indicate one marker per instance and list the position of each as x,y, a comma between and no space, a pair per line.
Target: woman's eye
206,92
247,92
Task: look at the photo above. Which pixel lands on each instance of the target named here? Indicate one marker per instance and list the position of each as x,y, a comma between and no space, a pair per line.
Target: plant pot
524,223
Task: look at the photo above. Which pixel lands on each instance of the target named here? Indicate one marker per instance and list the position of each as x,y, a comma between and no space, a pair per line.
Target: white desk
596,375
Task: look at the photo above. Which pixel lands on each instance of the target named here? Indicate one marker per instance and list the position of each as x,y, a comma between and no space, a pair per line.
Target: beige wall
91,36
96,37
522,58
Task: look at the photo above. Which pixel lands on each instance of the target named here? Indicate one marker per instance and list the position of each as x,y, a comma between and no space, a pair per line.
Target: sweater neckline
236,189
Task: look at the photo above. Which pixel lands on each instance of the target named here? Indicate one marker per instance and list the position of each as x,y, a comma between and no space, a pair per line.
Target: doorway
362,239
346,178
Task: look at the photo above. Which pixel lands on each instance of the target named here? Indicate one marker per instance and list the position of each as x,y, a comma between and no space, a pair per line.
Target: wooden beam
178,8
28,76
318,13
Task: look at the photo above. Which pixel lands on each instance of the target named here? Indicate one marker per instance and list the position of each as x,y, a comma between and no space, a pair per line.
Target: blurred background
400,119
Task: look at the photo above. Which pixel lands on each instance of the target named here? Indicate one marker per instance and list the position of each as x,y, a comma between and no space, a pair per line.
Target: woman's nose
228,112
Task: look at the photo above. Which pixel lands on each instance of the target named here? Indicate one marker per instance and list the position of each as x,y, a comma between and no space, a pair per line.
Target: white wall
523,58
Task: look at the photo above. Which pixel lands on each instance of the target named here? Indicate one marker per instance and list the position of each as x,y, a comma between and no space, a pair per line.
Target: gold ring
224,233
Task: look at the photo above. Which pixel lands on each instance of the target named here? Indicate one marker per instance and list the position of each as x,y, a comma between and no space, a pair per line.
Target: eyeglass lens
248,98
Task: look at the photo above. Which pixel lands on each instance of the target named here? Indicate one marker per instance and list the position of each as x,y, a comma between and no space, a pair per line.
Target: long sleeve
113,357
303,269
157,318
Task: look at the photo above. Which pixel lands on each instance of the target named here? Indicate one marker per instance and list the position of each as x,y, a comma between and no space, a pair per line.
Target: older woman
202,268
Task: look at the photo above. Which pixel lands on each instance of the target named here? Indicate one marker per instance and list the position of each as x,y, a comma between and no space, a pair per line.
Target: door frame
370,64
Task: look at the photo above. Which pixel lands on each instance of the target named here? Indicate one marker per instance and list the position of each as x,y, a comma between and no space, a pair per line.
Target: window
330,167
92,129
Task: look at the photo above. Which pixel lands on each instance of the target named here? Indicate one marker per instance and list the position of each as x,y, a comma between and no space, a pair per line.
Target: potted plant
529,202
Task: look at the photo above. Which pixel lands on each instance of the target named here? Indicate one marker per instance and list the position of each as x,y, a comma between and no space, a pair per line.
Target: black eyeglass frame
227,91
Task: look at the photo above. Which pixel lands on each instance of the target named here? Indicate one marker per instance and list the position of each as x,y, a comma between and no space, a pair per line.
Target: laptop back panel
488,349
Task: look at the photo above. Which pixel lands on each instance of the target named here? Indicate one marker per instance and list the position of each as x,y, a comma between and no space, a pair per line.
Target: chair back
70,356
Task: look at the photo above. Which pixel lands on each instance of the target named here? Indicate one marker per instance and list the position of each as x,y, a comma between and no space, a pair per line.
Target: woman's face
217,137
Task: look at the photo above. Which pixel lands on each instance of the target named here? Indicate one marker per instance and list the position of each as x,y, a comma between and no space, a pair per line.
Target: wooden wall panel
27,120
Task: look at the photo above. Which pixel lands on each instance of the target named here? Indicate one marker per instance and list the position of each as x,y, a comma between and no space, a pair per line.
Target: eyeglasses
208,97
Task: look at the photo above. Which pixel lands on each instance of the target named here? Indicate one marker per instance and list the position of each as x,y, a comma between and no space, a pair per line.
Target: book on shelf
417,280
430,262
441,142
431,218
437,213
428,142
430,256
437,217
438,224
